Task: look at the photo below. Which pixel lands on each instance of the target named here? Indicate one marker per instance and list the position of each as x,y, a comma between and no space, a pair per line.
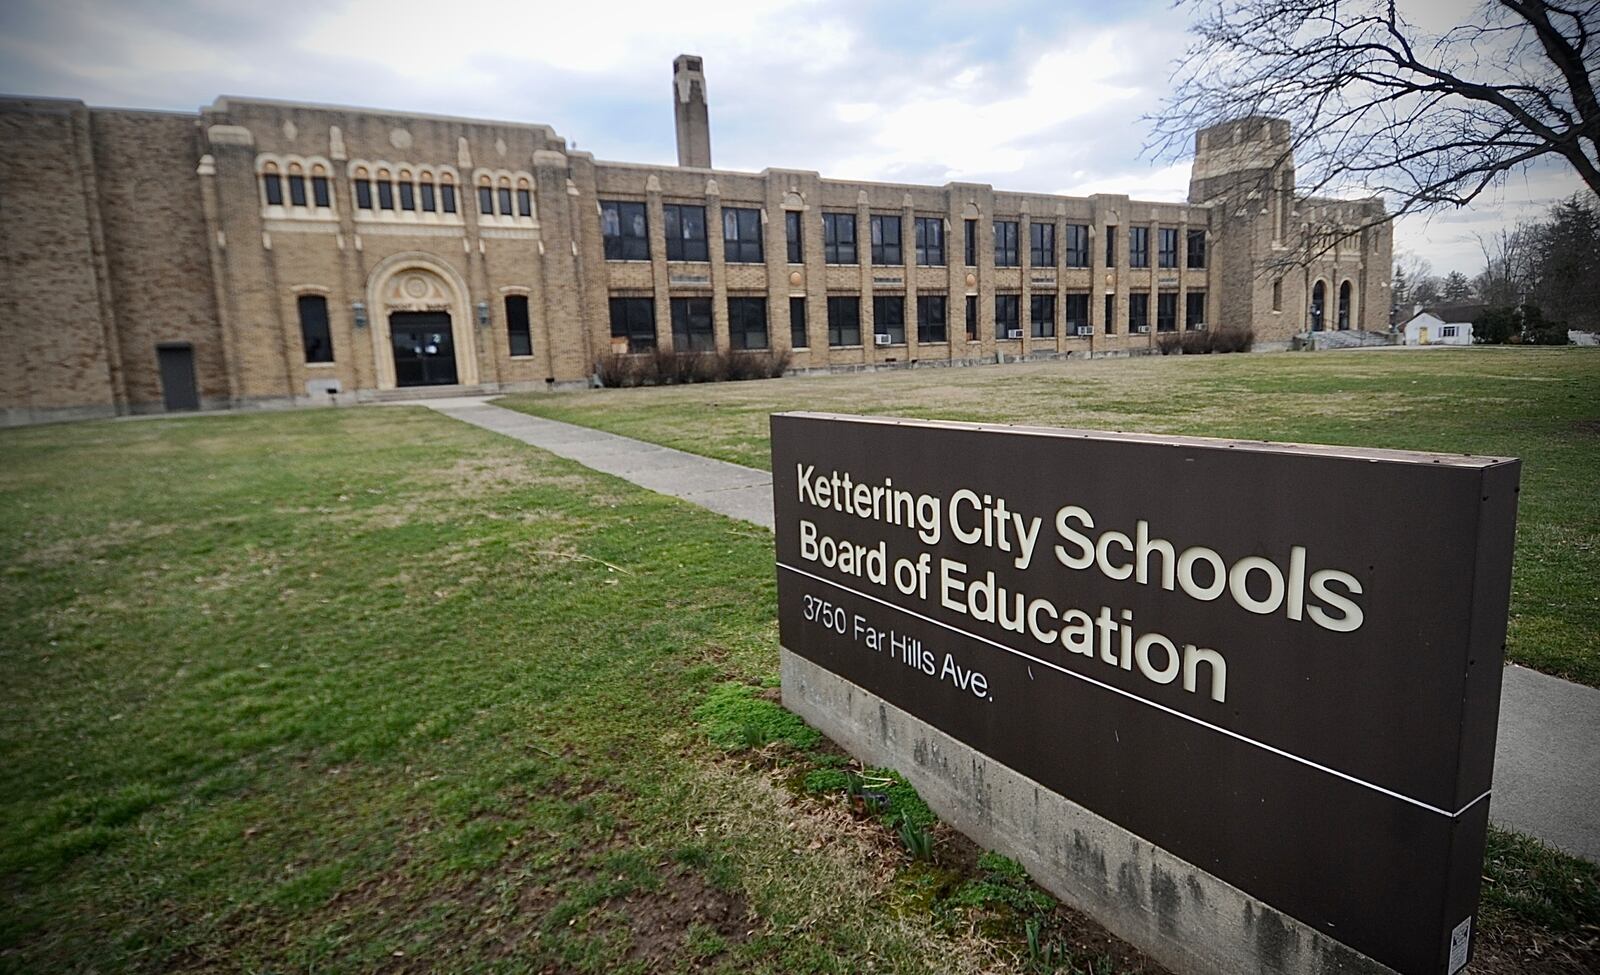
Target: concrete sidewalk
1547,760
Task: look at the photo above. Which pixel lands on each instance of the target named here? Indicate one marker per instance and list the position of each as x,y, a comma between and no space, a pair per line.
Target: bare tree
1426,119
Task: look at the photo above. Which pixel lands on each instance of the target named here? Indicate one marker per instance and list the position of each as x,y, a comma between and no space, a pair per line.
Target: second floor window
1005,244
839,242
447,195
930,241
408,195
1138,246
1041,245
364,193
686,232
931,318
1077,245
886,240
1007,316
320,192
1111,246
1197,250
524,199
624,230
970,228
741,239
486,199
297,187
1167,251
272,185
791,230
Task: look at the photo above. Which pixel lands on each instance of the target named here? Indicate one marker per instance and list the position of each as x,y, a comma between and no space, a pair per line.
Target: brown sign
1280,663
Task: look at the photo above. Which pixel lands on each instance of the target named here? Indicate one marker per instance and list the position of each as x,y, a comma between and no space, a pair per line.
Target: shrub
662,367
1170,342
1196,342
1231,338
1495,326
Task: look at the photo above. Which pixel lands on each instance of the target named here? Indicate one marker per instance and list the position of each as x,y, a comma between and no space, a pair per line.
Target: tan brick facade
132,237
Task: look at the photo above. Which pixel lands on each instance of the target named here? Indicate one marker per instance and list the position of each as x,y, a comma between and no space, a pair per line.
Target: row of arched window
402,190
294,187
1319,293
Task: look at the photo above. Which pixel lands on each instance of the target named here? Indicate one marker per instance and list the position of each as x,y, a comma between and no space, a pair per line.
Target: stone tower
689,110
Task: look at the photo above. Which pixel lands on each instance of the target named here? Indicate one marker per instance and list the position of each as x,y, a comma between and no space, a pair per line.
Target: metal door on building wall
176,365
424,348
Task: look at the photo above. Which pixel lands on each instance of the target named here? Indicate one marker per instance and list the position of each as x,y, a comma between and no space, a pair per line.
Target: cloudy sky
1042,96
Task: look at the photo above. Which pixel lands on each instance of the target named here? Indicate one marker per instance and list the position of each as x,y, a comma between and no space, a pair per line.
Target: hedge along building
268,253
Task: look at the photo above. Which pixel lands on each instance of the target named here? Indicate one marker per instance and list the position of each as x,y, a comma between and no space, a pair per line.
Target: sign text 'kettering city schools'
1072,537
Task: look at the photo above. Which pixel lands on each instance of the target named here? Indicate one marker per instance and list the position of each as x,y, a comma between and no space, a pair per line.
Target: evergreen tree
1456,289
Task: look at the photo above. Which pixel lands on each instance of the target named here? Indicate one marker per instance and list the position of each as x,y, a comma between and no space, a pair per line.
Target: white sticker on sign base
1458,944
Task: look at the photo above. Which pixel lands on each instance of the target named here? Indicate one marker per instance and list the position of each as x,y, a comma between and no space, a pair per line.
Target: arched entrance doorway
1319,301
1344,307
421,327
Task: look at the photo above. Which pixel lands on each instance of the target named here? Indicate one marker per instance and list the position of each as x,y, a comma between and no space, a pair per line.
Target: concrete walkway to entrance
1547,761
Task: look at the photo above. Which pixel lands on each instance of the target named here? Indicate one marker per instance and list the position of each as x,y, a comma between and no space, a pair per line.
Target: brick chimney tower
689,110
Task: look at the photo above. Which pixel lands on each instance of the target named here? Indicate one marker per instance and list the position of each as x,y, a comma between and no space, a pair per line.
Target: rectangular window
971,252
797,323
886,240
624,229
1111,314
1277,295
385,195
1042,315
504,196
428,203
408,198
517,325
1139,312
930,241
741,237
1005,244
791,230
524,202
1194,310
314,328
486,201
364,194
319,192
1197,250
1447,331
1077,245
686,232
972,317
1138,246
1167,311
297,190
839,241
844,319
272,183
447,197
747,322
691,325
1111,246
1007,316
889,318
1167,251
1042,244
1077,313
931,318
634,319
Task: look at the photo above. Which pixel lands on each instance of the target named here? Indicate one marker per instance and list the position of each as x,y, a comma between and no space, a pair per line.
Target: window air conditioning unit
1199,326
1085,330
1013,333
1142,329
882,338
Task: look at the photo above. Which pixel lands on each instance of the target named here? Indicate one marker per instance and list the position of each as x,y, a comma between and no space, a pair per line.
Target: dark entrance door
424,351
176,364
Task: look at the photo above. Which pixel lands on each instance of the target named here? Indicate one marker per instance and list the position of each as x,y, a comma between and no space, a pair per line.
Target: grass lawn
1542,405
372,690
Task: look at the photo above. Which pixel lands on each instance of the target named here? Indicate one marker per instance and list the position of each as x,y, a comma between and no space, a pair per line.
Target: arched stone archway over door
1346,305
1319,306
415,285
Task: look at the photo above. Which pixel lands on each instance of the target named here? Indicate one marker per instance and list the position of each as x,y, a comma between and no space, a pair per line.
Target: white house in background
1442,325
